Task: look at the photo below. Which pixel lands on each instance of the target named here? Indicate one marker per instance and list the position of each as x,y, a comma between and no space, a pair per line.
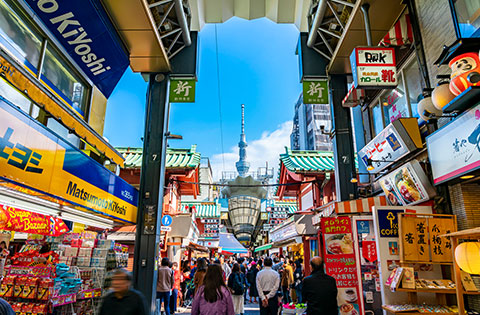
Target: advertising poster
407,185
340,262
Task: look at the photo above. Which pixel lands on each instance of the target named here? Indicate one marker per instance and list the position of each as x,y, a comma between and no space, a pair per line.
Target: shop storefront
295,237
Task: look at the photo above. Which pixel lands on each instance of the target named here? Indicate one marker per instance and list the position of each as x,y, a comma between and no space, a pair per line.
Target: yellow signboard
36,158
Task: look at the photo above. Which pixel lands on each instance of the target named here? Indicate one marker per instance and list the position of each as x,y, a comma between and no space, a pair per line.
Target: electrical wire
219,98
258,185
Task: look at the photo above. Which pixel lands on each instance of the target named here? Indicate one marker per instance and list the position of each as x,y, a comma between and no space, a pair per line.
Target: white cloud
266,149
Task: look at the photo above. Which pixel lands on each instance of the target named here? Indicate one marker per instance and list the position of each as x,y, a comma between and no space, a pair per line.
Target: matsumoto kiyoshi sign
315,91
374,67
454,150
36,158
85,31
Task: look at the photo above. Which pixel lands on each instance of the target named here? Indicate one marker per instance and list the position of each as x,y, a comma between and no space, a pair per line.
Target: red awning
18,220
400,34
354,97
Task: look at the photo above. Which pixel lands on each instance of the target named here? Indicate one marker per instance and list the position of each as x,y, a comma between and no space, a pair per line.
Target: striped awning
400,34
263,247
354,97
363,205
203,209
176,158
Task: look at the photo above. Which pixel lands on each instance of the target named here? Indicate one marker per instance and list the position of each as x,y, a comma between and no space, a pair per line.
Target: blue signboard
388,222
85,31
167,220
363,227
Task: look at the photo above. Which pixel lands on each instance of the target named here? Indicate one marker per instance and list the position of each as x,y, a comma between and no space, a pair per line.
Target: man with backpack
237,284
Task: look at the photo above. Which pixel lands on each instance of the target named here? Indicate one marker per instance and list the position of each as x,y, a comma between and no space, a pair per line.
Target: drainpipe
366,18
312,35
182,20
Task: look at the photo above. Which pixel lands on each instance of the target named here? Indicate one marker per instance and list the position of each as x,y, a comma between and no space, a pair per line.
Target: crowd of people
222,287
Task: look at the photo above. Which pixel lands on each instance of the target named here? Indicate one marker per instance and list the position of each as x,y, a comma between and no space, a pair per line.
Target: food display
421,308
339,244
406,186
434,284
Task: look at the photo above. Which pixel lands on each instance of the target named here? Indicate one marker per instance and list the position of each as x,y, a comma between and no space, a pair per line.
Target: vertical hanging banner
315,91
182,90
340,262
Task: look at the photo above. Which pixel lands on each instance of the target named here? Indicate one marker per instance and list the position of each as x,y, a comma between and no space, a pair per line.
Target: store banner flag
340,262
315,91
182,90
18,220
369,250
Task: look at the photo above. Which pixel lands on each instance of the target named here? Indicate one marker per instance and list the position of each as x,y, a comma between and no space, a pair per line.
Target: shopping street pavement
250,309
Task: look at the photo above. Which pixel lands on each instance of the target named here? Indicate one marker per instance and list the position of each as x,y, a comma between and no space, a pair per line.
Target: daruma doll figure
465,72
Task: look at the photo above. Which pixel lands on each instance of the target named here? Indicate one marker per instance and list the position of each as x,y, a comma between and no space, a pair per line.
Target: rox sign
374,67
83,28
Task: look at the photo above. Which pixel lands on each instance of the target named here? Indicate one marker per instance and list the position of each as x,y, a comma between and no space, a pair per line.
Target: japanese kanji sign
339,256
374,67
315,92
182,90
420,238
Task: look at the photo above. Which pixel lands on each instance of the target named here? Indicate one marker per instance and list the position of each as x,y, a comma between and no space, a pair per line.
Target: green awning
176,158
263,247
204,209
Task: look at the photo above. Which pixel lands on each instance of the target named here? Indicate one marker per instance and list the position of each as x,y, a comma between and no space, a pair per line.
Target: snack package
17,307
40,309
88,243
6,289
71,252
77,243
44,289
30,288
27,309
85,252
20,282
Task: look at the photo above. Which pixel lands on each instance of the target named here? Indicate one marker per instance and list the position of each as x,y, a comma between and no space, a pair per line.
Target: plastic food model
465,72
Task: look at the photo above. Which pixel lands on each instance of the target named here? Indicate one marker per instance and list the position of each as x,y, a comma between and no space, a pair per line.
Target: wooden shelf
413,312
445,291
426,263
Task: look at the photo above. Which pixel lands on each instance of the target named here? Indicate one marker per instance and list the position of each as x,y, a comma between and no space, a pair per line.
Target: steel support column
151,188
343,140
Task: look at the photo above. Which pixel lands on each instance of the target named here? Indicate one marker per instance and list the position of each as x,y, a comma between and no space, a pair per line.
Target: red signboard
340,263
369,251
14,219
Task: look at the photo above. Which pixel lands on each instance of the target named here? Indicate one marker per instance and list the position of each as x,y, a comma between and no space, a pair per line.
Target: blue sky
257,66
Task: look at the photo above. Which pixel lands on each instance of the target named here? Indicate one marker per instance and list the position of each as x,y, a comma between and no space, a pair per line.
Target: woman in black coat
252,278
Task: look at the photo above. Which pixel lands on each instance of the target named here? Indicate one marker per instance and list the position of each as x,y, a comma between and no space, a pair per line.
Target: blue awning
229,243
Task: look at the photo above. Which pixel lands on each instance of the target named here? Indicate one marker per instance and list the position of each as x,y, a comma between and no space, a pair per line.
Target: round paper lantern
465,72
427,105
442,95
467,256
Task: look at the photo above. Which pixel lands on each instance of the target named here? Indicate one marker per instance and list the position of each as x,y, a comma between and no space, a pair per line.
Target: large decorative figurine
465,72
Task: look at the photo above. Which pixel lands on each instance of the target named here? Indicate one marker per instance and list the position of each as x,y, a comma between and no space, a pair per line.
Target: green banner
315,92
182,91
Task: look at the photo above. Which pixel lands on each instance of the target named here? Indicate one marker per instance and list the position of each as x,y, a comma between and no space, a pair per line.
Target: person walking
252,278
237,284
123,300
226,268
165,281
200,273
213,297
298,281
177,279
320,290
287,281
5,308
268,282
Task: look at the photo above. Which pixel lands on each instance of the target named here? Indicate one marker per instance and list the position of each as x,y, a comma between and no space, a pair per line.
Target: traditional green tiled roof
307,161
204,209
176,158
292,206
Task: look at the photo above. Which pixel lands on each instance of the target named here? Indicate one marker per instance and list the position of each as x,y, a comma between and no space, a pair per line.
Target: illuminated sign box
374,67
454,150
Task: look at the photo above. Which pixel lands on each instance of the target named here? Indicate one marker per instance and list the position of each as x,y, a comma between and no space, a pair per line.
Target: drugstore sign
85,31
32,156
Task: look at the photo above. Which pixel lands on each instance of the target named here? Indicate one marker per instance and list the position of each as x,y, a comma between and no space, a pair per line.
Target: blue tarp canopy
229,243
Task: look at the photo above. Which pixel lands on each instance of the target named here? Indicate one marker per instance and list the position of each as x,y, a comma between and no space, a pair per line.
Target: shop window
394,103
19,37
413,86
377,118
467,13
14,96
63,80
